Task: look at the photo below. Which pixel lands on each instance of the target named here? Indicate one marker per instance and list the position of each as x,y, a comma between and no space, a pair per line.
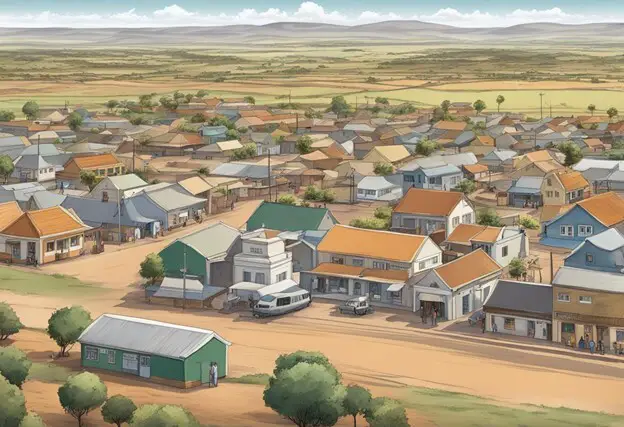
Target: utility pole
184,281
541,94
133,153
296,122
551,268
550,106
119,213
269,174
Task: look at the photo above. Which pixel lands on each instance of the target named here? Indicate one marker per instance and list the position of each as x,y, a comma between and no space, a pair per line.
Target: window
280,277
105,196
435,260
50,246
92,353
100,172
505,251
567,328
380,265
467,218
337,260
49,170
585,230
589,258
246,276
360,191
260,278
111,357
283,301
358,262
16,248
61,245
432,180
110,171
370,192
74,241
585,299
556,194
455,221
422,265
255,250
408,178
566,230
419,179
562,297
510,323
549,182
549,194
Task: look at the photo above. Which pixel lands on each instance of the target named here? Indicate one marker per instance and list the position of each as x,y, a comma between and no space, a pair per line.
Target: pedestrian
581,343
483,325
600,347
592,346
422,312
494,327
434,317
210,380
215,374
232,205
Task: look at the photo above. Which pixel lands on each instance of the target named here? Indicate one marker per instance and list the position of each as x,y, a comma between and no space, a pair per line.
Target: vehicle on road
284,302
476,317
358,306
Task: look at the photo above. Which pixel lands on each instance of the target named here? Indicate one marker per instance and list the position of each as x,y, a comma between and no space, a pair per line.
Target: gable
286,218
575,216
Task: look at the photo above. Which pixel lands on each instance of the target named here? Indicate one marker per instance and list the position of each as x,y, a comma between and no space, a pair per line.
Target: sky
167,13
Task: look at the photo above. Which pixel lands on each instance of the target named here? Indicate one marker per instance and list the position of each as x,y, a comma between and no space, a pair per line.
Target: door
130,363
531,328
205,373
144,366
466,304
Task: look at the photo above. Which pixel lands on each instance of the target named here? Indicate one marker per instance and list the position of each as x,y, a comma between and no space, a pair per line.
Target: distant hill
291,32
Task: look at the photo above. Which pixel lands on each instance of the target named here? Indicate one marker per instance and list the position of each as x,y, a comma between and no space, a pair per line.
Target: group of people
587,342
214,375
425,314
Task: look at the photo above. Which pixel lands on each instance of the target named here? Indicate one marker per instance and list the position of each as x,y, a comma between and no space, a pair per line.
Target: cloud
308,11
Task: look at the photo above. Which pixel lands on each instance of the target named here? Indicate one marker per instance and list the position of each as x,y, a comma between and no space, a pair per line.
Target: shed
165,353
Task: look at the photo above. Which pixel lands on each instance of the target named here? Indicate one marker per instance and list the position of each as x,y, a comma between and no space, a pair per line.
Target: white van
278,303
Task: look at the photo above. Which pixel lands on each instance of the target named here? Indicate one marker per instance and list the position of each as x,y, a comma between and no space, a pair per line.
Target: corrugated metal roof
441,170
47,199
169,199
124,182
375,183
146,336
589,279
521,296
214,241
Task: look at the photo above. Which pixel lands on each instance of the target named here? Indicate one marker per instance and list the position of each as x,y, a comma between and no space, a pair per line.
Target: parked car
476,317
358,306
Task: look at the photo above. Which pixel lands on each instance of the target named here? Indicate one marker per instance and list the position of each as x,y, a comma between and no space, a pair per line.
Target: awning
396,287
430,297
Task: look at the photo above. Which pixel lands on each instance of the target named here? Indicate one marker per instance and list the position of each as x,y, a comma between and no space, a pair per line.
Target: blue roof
560,243
527,185
213,130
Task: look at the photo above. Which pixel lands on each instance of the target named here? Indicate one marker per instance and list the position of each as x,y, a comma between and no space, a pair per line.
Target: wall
213,351
476,292
602,260
462,208
430,253
575,216
173,259
303,257
514,246
327,222
324,257
71,251
521,326
556,189
604,304
423,224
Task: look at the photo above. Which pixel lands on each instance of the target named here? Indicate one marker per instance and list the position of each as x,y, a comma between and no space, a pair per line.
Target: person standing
592,346
210,379
215,374
581,344
434,317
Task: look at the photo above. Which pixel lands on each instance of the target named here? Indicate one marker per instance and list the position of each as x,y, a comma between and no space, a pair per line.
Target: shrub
517,268
152,268
81,394
12,404
529,222
118,410
163,416
65,326
287,199
369,223
466,186
14,365
9,322
383,169
489,217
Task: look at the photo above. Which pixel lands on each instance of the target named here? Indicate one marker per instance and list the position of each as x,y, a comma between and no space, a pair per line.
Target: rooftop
466,233
468,268
589,279
521,296
44,222
573,180
330,269
9,212
429,202
284,217
608,208
89,162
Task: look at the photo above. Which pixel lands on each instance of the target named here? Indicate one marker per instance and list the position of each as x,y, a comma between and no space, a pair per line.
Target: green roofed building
277,216
164,353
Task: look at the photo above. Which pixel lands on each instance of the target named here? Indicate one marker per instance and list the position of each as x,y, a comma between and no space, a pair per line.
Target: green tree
369,223
311,113
31,110
163,416
168,103
32,420
188,97
573,153
612,112
479,106
465,186
118,409
287,361
489,217
6,167
6,116
198,118
383,212
382,100
65,326
248,150
312,193
145,101
529,222
385,412
74,121
14,365
356,402
445,105
242,130
287,199
499,100
202,93
339,106
88,178
426,147
138,120
112,104
327,196
306,394
250,100
12,404
152,268
9,321
81,394
177,95
304,144
383,169
517,268
591,108
232,134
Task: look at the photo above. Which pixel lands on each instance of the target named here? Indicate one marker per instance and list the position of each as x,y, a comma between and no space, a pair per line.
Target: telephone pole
184,281
269,174
541,94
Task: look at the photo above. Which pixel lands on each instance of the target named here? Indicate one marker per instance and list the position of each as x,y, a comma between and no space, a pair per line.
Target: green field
27,283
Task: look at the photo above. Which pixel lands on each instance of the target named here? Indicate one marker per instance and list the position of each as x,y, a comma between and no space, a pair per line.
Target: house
592,145
43,236
475,172
601,252
423,211
263,259
212,134
540,169
34,168
564,187
450,125
480,145
264,143
505,141
533,157
302,245
172,144
357,262
598,171
439,168
392,154
168,354
218,150
113,188
102,165
209,255
184,292
498,160
520,308
526,192
169,204
501,243
44,199
45,137
282,217
459,287
378,188
356,168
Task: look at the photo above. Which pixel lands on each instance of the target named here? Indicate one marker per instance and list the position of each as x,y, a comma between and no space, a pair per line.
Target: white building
263,260
112,188
33,168
378,188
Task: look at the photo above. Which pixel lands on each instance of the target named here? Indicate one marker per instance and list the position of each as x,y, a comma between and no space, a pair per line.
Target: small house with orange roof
459,287
564,187
378,264
43,236
592,145
102,165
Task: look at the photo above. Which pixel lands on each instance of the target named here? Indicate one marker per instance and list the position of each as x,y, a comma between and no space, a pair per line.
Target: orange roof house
468,268
449,125
101,164
465,234
563,187
9,212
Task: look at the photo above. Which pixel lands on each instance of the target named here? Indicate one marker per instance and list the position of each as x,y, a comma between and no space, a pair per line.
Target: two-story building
358,262
564,187
588,293
422,211
585,219
263,259
102,165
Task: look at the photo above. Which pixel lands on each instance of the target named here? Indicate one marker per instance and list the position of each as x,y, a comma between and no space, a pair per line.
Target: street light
541,94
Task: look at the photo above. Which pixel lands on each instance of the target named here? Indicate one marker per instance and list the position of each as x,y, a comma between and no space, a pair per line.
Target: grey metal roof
441,170
521,296
48,199
441,160
375,183
42,150
214,241
501,155
589,279
609,240
173,287
96,212
170,199
32,162
241,170
124,182
586,163
527,184
146,336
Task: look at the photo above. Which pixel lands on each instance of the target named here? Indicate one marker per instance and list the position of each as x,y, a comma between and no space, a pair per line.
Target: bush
383,212
466,186
384,412
489,217
356,402
573,153
163,416
81,394
304,144
317,195
9,322
383,169
287,199
369,223
32,420
12,404
152,268
517,268
248,150
425,147
65,326
288,361
118,410
529,222
14,365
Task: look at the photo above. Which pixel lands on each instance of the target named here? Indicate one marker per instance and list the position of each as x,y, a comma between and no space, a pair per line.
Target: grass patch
48,373
27,283
449,409
255,379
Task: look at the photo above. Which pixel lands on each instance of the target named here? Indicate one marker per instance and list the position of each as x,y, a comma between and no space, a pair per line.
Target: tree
311,113
499,100
339,106
287,361
14,365
138,120
202,93
65,326
489,217
32,420
12,404
88,178
465,186
445,105
31,110
250,100
307,394
74,121
385,412
163,416
177,95
188,97
382,100
426,147
168,103
198,118
479,106
112,104
517,268
118,409
6,116
152,268
591,108
304,144
9,321
612,112
369,223
231,134
573,153
383,169
6,167
248,150
81,394
287,199
529,222
145,101
356,402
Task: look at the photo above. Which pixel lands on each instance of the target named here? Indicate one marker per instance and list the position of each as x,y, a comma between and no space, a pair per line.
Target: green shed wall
213,351
173,259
